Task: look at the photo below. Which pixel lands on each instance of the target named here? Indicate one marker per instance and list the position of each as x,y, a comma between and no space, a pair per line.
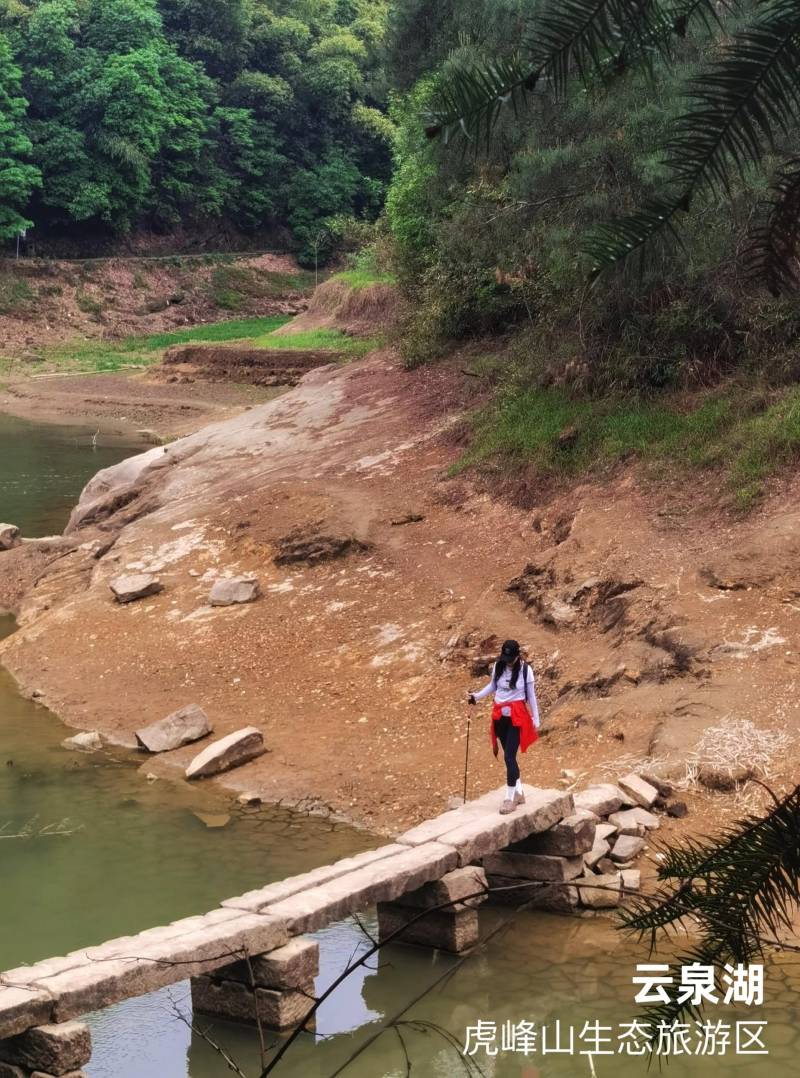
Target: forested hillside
118,114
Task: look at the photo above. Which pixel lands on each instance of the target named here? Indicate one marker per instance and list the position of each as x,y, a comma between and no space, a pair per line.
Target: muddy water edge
89,849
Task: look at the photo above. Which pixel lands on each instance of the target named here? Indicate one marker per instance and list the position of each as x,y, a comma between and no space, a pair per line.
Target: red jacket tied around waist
520,716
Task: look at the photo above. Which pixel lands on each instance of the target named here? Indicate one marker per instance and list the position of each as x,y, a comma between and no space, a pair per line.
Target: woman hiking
515,716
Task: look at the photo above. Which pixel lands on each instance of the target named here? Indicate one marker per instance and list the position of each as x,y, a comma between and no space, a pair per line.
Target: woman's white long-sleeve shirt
505,694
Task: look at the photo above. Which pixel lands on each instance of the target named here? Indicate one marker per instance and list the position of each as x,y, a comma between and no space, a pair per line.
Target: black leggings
508,736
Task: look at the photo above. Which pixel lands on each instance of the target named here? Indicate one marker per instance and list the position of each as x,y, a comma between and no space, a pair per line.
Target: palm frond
616,240
471,98
737,107
772,254
741,891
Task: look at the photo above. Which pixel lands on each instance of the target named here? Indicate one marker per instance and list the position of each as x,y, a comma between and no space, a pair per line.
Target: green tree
18,177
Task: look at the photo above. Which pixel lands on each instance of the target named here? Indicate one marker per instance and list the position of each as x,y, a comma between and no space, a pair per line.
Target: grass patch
104,356
363,277
15,293
738,430
332,340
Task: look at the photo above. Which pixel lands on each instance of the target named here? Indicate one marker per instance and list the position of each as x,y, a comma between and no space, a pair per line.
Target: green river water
131,854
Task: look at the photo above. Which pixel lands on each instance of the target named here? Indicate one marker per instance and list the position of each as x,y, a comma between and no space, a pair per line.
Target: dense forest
119,114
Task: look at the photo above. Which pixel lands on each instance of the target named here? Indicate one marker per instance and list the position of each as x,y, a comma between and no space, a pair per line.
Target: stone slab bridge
248,960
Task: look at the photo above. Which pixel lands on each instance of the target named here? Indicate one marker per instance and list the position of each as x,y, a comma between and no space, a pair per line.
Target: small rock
567,773
665,789
631,879
86,742
455,803
231,751
9,536
408,518
605,866
677,809
249,799
626,848
182,727
240,589
558,613
598,852
605,830
134,586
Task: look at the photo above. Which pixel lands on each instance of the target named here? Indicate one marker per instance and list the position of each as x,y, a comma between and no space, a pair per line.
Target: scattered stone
605,830
710,578
665,789
605,865
677,809
229,591
231,751
557,613
642,792
90,741
571,837
454,803
55,1049
249,799
626,848
134,586
631,879
182,727
602,799
9,536
598,852
634,821
568,773
585,814
600,892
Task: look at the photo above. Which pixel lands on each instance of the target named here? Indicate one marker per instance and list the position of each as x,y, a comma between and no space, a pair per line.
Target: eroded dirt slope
386,586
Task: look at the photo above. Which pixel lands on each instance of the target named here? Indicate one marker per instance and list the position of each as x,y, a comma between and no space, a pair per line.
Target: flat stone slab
22,1008
88,741
150,966
602,799
641,792
533,866
634,821
626,848
133,586
570,837
483,830
231,591
232,751
254,901
382,881
182,727
55,1049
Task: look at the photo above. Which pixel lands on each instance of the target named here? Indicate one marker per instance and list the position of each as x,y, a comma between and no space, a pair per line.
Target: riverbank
385,589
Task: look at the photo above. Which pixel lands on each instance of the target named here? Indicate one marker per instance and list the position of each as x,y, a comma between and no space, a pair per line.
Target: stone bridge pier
51,1051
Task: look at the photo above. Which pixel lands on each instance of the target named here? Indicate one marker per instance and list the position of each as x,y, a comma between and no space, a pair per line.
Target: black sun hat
509,652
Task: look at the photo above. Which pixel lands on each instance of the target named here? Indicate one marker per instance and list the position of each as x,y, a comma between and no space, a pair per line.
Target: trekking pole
466,761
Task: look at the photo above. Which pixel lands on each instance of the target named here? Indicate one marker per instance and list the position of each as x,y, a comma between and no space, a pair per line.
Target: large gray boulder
231,751
9,536
182,727
134,586
238,589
